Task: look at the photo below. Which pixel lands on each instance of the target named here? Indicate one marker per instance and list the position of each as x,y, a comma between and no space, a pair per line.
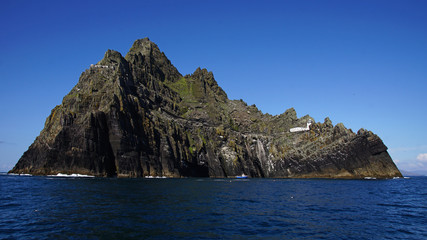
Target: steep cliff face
137,116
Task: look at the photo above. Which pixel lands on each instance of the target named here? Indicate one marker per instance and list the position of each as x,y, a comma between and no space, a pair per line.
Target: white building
301,129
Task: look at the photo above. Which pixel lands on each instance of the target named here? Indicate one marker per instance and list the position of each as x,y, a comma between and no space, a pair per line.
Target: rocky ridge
137,116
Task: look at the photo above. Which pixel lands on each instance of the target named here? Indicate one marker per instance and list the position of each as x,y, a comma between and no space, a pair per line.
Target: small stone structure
301,129
101,66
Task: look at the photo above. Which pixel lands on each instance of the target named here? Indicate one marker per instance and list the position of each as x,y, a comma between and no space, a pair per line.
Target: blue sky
362,63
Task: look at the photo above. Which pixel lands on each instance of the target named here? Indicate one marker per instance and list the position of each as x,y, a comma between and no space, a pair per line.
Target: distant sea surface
195,208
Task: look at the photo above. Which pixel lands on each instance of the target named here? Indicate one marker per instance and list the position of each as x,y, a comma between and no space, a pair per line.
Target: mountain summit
137,116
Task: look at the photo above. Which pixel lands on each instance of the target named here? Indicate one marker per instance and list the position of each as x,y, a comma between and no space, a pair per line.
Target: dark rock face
138,116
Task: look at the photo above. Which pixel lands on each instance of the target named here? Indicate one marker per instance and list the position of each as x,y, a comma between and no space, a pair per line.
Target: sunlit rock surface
137,116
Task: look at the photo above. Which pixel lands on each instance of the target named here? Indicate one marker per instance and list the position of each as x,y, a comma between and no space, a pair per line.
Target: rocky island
137,116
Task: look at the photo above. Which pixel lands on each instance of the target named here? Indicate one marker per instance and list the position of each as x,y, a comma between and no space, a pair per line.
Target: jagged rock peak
203,75
145,47
290,114
206,78
145,54
112,57
328,122
202,72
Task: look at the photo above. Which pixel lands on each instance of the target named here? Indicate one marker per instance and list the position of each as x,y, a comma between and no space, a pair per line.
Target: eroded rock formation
137,116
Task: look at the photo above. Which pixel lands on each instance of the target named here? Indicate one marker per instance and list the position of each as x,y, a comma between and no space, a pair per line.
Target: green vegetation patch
183,87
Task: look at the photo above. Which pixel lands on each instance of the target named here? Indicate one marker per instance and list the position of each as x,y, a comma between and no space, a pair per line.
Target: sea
78,207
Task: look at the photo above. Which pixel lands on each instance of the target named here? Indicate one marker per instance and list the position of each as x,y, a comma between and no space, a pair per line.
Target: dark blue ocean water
108,208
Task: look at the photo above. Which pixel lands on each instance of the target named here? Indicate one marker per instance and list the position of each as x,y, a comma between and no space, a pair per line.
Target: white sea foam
71,175
19,174
370,178
155,177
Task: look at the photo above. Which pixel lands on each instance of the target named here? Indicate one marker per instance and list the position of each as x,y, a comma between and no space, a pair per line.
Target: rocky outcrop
137,116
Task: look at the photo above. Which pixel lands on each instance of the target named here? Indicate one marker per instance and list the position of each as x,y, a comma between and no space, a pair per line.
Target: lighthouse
301,129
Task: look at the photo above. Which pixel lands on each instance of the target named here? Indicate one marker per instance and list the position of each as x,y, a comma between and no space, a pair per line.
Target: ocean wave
370,178
19,174
71,175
